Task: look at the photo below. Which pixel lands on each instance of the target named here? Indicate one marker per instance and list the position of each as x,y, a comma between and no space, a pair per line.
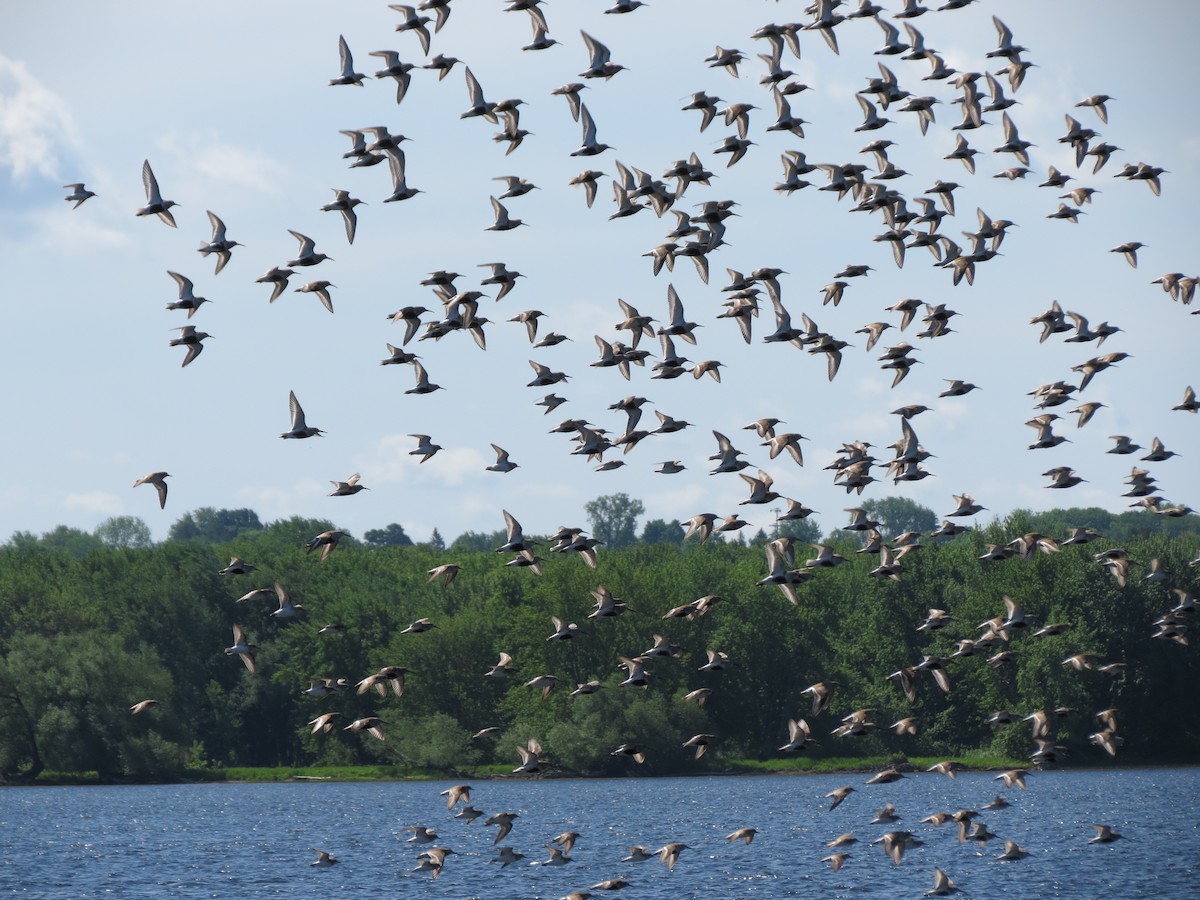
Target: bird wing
151,184
297,413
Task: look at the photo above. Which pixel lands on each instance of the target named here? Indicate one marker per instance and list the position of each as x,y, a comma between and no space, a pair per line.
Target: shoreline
355,774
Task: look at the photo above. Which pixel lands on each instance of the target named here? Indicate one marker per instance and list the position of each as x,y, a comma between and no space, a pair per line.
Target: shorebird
156,479
799,736
413,22
141,706
307,255
327,541
530,755
371,724
394,68
300,428
942,884
155,204
600,64
276,277
325,722
220,244
1104,835
345,204
668,854
348,76
78,194
321,289
589,145
242,648
506,856
192,339
419,626
323,859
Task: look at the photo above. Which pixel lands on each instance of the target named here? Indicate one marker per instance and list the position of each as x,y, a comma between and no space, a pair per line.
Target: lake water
254,840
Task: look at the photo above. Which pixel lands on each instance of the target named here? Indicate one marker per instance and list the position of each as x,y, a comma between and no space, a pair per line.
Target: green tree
70,541
436,541
214,526
391,536
804,530
614,519
67,700
897,515
124,533
660,531
478,540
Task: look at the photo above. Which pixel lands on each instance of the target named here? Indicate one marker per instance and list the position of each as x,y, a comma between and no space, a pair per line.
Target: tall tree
897,515
391,536
660,531
614,519
214,526
125,533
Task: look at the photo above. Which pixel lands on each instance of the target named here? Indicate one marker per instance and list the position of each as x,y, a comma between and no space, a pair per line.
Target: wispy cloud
94,502
216,165
34,123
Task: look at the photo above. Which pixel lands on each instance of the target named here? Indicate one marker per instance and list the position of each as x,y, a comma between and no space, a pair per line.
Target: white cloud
217,165
390,462
94,502
33,123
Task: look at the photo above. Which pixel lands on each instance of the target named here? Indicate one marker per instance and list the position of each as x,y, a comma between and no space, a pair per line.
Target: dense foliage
90,625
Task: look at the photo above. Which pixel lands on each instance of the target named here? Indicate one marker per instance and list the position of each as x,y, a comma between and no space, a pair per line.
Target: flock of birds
696,236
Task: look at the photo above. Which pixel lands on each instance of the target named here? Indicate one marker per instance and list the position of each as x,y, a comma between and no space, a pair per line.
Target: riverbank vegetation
92,624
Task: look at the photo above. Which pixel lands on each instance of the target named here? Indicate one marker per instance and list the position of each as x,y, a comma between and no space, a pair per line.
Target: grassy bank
799,765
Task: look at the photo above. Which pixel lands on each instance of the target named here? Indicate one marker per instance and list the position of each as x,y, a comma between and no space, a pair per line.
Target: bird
371,724
799,736
79,194
237,567
307,255
321,289
668,854
395,68
942,884
220,244
276,277
503,221
446,572
530,754
589,146
192,339
300,428
327,541
348,76
506,856
345,204
323,859
413,22
838,795
141,706
156,479
155,204
502,463
242,649
600,64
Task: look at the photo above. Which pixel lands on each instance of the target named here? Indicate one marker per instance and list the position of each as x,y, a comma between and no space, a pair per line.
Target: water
253,840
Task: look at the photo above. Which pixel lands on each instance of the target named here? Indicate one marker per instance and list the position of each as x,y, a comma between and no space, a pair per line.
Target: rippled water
253,840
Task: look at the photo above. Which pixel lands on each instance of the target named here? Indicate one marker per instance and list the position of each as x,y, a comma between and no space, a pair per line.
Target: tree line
92,624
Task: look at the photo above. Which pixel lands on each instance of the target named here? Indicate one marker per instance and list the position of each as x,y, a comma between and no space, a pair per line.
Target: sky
231,105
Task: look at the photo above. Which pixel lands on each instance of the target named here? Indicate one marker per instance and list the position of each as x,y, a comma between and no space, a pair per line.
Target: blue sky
230,103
